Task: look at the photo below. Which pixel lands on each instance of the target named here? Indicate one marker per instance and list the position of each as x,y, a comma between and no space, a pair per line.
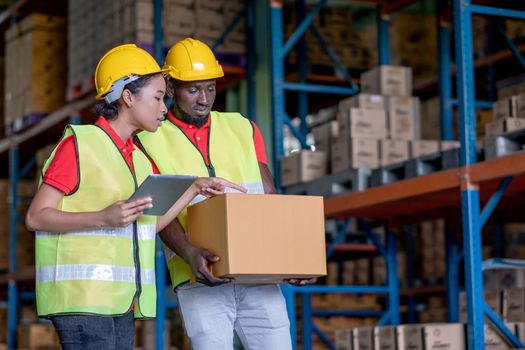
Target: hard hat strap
116,89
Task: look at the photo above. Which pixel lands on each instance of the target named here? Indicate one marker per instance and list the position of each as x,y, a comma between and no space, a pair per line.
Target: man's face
194,99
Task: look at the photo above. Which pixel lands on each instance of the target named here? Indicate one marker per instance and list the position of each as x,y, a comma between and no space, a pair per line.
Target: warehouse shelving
71,112
448,192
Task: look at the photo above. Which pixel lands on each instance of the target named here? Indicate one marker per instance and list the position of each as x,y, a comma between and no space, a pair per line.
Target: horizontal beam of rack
23,275
46,123
11,10
436,191
478,63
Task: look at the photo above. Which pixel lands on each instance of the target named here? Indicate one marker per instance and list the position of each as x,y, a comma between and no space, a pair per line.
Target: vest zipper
209,168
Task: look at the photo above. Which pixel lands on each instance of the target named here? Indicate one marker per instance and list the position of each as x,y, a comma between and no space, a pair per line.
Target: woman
95,251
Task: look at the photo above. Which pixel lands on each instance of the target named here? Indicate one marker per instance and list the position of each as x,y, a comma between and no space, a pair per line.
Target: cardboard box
493,339
503,125
363,101
520,102
444,336
302,166
363,338
354,153
37,335
343,339
505,107
492,299
448,145
393,151
404,117
323,136
510,278
261,238
419,148
409,337
359,122
514,305
385,338
387,80
519,330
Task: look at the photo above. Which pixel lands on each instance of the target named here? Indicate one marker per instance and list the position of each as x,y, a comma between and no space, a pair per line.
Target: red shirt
199,137
62,172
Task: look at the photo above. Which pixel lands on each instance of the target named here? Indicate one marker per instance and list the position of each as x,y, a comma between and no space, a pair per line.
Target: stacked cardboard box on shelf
508,114
379,127
334,24
97,26
432,248
410,40
34,87
418,337
26,243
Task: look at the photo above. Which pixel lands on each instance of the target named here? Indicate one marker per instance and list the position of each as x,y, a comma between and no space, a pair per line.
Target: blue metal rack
473,218
279,52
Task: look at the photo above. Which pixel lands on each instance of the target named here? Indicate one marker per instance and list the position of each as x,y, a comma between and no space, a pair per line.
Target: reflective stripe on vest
144,232
232,155
93,272
98,271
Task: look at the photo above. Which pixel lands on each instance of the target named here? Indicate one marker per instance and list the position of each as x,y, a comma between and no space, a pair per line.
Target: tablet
164,190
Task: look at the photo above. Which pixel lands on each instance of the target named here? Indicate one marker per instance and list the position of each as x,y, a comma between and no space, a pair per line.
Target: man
195,140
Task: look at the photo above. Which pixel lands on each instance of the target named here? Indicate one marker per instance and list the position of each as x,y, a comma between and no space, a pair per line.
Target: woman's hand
213,186
123,213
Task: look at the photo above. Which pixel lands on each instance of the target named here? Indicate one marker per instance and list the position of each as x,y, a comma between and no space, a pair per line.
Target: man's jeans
257,313
88,332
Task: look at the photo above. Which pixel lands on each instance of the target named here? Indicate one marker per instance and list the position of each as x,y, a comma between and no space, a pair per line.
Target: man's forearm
175,238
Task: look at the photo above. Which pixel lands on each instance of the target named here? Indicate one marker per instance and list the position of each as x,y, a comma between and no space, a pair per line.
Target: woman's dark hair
110,110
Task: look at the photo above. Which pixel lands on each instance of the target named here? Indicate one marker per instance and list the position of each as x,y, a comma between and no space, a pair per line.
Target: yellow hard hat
191,60
124,61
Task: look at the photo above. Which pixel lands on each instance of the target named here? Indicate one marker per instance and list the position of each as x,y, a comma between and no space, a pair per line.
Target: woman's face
149,109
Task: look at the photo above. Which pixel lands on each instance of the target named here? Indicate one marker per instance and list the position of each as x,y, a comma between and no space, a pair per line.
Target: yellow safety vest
102,271
232,156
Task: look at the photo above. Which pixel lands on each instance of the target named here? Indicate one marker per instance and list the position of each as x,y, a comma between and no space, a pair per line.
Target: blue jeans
86,332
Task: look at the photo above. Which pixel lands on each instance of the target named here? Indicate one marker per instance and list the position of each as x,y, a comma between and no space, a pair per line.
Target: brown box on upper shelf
503,125
419,148
354,153
324,135
505,107
302,166
448,145
404,117
393,151
261,238
358,122
387,80
363,101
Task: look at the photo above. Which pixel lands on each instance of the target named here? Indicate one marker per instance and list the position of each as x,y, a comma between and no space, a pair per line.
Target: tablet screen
164,191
